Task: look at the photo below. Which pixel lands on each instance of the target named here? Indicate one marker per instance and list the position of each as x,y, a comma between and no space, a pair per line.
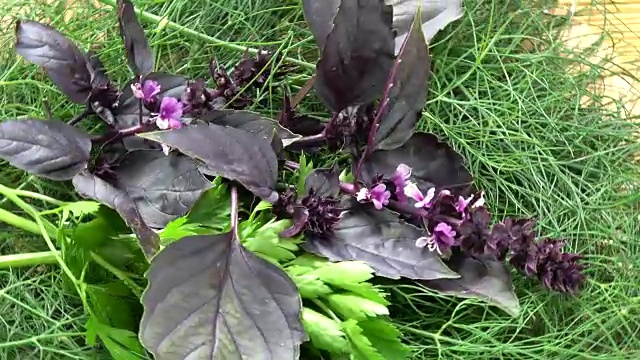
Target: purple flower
557,270
399,179
170,114
442,239
522,244
474,235
411,190
314,215
378,195
462,203
147,91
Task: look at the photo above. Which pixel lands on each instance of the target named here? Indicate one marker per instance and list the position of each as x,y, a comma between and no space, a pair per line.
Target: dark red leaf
93,187
433,163
228,152
357,56
383,241
319,14
487,280
162,187
51,149
135,41
323,182
407,92
65,64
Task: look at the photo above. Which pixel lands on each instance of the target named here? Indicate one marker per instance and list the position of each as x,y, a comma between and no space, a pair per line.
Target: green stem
326,309
46,229
19,222
200,36
28,259
137,290
24,184
33,195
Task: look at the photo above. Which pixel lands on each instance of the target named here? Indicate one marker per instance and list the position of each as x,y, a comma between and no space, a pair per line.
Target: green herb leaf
303,172
309,286
121,344
367,291
361,347
265,242
344,273
179,228
325,333
310,260
79,208
212,208
351,276
355,307
385,338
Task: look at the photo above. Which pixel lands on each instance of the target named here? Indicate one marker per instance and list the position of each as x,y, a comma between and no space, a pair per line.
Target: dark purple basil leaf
95,188
383,241
51,149
65,64
104,95
135,41
300,217
98,73
487,280
210,298
252,123
408,93
319,15
304,125
162,187
435,16
357,55
323,182
433,163
228,152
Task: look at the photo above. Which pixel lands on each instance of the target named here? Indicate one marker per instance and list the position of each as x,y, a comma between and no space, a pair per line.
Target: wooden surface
619,22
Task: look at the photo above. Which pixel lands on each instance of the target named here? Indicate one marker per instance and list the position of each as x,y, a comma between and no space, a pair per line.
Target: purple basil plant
409,211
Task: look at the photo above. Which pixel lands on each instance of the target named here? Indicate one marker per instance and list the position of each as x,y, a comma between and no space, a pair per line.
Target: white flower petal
162,124
422,242
363,194
404,170
431,193
479,202
165,149
436,14
411,190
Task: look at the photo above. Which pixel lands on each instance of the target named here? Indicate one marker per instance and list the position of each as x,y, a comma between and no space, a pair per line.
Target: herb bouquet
250,250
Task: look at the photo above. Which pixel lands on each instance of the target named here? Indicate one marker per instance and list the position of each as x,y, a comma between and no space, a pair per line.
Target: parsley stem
326,309
27,259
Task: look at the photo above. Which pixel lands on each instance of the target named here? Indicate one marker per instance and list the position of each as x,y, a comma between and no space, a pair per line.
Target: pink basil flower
399,179
147,91
170,114
443,237
378,195
411,190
